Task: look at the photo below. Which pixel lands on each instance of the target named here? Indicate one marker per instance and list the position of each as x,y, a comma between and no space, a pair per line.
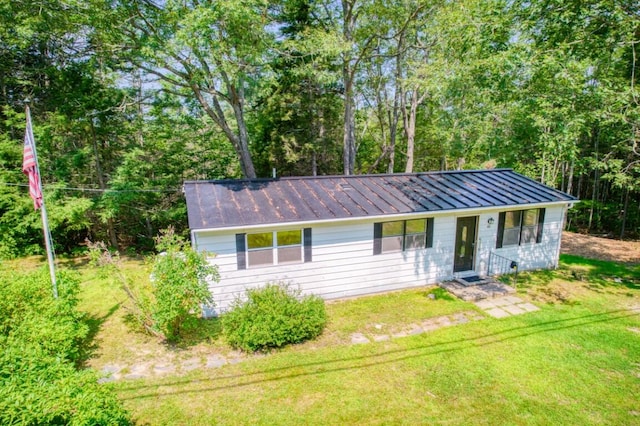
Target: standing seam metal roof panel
237,203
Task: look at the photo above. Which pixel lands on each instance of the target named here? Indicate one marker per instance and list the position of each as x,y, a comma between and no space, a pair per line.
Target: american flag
30,166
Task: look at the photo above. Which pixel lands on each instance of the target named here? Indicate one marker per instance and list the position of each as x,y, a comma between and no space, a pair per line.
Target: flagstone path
499,307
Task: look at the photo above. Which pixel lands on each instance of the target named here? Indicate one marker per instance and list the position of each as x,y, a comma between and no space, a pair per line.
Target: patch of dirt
600,248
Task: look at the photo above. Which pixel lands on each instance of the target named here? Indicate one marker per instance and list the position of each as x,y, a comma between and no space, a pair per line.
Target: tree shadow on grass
195,332
201,330
94,323
602,274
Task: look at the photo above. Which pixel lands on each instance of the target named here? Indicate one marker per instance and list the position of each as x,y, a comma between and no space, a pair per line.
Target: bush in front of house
180,283
171,303
273,316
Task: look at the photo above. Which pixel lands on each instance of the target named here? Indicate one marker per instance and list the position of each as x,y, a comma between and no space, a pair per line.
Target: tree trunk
397,105
410,129
237,102
570,178
624,213
111,231
240,141
349,140
349,137
596,184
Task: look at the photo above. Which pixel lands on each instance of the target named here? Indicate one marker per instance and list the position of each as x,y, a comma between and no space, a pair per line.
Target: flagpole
43,210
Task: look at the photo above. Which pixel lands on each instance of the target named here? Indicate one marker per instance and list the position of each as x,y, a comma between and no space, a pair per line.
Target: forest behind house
130,98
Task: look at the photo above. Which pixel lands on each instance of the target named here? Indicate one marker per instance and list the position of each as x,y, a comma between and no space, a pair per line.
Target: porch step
474,280
486,288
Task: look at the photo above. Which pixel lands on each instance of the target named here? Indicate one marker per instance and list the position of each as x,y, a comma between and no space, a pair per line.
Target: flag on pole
30,166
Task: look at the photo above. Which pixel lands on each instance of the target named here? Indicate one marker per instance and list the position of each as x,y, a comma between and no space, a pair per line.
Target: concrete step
488,289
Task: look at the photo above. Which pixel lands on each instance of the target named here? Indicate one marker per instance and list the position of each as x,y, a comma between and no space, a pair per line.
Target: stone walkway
501,307
483,290
419,328
166,366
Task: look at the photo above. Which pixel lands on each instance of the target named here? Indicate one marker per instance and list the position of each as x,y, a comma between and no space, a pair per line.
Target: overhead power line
98,190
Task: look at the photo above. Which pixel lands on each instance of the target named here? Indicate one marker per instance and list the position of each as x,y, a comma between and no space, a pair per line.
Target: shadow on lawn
600,273
359,362
89,345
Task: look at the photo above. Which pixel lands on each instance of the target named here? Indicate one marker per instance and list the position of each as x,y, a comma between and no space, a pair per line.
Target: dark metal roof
230,203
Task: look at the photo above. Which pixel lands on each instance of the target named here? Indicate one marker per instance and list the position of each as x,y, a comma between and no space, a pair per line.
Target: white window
401,235
274,248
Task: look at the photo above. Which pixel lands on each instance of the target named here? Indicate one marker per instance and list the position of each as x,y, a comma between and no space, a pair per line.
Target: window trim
538,227
274,249
378,235
242,248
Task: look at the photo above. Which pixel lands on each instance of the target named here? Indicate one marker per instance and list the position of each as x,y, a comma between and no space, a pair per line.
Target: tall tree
210,51
296,121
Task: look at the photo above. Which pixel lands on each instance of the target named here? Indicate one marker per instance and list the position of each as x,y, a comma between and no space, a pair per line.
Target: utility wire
65,188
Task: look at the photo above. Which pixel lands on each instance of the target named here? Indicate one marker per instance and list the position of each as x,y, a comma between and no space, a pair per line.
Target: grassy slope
576,361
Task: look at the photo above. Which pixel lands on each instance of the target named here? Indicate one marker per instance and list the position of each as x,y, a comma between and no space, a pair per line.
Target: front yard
575,361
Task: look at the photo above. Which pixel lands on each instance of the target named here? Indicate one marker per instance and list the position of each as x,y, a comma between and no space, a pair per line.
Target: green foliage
547,88
29,313
273,316
38,388
180,280
42,340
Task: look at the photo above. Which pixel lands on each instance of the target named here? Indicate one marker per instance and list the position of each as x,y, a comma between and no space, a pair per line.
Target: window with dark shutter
377,238
518,227
274,248
540,226
402,235
307,245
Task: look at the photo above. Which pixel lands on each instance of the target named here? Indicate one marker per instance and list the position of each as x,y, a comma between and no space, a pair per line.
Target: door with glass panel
465,243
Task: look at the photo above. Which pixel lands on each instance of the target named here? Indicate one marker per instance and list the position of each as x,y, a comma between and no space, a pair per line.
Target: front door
465,243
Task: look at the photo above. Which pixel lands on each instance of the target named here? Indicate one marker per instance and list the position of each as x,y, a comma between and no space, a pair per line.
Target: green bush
180,286
29,313
273,316
42,341
37,388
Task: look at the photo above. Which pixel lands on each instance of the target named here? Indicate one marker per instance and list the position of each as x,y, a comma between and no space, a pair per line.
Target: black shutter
430,232
241,251
501,218
540,225
377,238
307,244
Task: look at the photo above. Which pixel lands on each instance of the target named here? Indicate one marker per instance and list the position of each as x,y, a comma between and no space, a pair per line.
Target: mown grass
562,365
575,361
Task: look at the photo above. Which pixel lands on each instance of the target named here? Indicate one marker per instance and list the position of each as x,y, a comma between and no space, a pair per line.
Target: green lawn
575,361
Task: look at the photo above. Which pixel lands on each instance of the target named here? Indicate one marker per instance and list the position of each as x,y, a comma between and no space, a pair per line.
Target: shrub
273,316
29,313
180,285
37,388
41,341
179,288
